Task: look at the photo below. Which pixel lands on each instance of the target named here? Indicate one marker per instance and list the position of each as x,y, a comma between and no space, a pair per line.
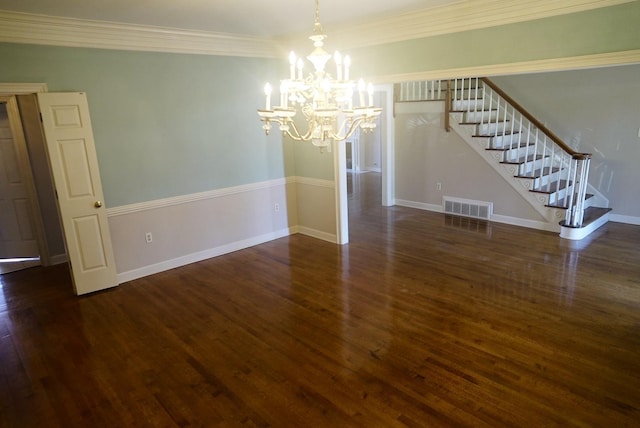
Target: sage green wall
164,124
310,161
610,29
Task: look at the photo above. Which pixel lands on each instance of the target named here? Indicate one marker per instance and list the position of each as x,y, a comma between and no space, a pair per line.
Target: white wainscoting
190,228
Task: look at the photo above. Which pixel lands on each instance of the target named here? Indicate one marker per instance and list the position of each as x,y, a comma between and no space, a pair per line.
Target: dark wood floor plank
421,320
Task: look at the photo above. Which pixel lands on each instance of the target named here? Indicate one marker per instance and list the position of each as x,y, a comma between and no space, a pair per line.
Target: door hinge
40,113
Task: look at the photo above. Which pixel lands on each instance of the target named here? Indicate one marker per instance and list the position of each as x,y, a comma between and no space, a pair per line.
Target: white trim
577,233
200,255
341,193
48,30
58,259
388,153
618,218
514,221
460,16
22,88
523,222
419,205
314,233
193,197
542,65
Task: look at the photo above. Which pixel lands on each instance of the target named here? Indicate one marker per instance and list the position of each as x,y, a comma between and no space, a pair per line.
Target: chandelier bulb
292,65
300,66
338,59
267,93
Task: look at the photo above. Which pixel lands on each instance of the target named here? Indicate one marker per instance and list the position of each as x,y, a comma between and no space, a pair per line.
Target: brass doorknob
98,204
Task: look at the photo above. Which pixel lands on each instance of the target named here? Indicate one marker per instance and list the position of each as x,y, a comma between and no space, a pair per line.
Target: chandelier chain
317,27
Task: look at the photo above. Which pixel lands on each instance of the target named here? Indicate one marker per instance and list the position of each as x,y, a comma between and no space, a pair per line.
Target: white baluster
482,111
526,150
475,107
455,92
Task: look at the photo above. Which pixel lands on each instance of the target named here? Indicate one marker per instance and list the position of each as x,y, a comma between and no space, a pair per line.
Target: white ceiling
262,18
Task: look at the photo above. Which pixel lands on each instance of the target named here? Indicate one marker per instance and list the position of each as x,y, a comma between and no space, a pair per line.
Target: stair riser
501,141
541,182
480,116
517,153
550,179
528,167
493,128
554,197
469,105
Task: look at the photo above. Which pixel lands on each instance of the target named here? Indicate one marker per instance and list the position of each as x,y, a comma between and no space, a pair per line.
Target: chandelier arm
297,135
354,126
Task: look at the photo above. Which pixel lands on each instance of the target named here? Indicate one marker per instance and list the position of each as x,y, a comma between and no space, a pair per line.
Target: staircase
550,175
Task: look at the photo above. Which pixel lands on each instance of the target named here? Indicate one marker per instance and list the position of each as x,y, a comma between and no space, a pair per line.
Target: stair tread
522,159
474,111
539,173
504,149
500,134
559,185
591,214
562,202
485,123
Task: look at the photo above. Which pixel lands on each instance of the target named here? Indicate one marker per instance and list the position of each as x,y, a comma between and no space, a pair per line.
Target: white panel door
74,165
18,238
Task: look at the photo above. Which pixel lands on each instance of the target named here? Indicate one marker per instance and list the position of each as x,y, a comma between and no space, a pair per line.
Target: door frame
387,167
24,167
8,92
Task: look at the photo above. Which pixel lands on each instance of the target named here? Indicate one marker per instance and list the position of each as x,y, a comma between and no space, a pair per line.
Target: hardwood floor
420,320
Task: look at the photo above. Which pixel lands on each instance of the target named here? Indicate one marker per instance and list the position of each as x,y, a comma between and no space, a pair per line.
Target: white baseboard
315,234
523,222
58,259
578,233
199,256
418,205
515,221
624,219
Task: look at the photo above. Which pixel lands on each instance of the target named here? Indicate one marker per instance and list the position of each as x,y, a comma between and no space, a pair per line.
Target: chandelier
325,102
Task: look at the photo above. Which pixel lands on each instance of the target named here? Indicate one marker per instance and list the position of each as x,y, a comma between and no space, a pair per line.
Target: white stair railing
422,90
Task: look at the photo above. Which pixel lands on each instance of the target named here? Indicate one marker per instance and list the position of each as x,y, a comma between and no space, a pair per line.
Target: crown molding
461,16
48,30
457,17
608,59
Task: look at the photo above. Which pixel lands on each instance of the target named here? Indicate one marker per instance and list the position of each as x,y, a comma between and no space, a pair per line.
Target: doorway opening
28,208
366,173
21,232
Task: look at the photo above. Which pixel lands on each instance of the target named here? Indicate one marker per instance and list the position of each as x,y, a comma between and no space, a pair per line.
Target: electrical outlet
276,207
148,237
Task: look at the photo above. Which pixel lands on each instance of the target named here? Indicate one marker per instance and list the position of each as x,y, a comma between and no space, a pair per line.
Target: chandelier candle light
326,103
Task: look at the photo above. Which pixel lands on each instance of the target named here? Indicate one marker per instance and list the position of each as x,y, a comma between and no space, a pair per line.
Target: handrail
536,122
